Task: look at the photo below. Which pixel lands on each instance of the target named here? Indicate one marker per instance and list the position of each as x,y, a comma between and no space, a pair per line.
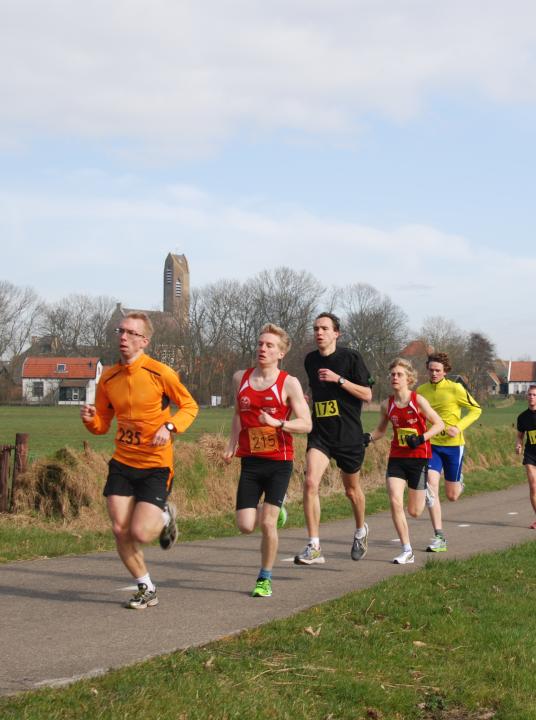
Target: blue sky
387,142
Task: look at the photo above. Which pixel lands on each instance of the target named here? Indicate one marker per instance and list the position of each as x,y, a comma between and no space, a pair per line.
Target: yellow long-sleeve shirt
139,395
448,398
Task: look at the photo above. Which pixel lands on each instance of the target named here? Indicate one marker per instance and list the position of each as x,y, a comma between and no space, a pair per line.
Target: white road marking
128,588
513,513
464,525
290,559
395,540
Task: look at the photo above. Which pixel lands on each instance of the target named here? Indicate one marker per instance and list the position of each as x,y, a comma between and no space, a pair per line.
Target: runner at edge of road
526,425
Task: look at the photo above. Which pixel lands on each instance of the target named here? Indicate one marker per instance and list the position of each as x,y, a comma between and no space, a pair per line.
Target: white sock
315,541
360,532
166,517
146,580
406,547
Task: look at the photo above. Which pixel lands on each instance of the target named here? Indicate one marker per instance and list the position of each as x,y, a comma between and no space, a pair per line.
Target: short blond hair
146,320
408,367
284,340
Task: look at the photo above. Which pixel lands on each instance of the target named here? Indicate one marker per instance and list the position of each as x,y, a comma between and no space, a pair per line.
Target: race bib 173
326,408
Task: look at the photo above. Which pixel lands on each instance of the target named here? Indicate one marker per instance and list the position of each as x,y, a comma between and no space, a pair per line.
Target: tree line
225,319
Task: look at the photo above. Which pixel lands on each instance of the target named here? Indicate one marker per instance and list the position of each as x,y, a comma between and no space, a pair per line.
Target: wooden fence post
5,453
21,460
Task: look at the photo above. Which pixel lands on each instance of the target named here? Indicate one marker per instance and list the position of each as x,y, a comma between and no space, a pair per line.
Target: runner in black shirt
340,383
526,424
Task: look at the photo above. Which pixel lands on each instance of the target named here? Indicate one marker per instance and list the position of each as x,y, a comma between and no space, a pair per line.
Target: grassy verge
51,428
23,543
452,641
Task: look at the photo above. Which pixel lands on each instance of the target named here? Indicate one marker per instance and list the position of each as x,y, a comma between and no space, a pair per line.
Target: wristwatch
169,426
341,380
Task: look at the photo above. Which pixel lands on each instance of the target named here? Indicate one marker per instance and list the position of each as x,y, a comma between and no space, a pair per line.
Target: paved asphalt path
63,619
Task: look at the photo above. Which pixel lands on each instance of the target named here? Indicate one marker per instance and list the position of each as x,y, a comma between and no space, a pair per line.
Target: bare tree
78,322
101,310
478,363
376,327
444,335
20,310
291,300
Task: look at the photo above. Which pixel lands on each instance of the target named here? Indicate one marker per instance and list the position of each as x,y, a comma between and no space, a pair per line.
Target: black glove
413,441
367,439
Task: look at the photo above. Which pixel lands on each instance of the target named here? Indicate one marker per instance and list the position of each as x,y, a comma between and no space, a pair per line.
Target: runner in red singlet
261,436
410,449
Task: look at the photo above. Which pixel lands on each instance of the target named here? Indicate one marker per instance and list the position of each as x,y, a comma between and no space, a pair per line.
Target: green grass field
451,642
51,428
454,641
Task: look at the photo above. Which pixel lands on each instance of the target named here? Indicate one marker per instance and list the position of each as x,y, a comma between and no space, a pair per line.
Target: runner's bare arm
293,396
230,450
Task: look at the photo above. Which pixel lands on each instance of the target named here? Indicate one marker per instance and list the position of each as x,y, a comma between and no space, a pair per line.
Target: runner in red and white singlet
265,399
408,413
263,440
407,420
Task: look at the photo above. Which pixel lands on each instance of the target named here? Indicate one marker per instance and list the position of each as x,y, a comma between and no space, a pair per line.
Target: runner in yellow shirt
449,399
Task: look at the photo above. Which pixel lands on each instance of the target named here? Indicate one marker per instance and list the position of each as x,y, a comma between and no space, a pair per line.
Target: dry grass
68,489
205,485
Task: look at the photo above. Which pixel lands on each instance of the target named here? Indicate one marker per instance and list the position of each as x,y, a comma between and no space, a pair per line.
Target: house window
72,394
61,367
178,288
38,389
169,276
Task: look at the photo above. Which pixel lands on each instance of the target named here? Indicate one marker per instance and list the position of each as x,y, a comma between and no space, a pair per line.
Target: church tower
177,288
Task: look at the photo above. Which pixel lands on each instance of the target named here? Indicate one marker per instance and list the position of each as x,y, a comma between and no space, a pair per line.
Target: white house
521,374
60,380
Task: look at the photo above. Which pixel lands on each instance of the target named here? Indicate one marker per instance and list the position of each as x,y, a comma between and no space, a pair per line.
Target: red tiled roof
416,348
47,367
522,371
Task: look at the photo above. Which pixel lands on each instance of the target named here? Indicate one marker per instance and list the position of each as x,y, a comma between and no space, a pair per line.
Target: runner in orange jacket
139,392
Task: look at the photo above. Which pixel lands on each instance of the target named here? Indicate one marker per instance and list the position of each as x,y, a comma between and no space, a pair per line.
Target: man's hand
413,441
452,431
87,412
267,419
227,456
519,448
161,436
326,375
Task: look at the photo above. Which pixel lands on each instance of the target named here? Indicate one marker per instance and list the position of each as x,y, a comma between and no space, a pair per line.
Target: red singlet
407,421
257,440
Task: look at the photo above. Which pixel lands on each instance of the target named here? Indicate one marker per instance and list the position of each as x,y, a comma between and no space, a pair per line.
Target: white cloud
116,245
178,77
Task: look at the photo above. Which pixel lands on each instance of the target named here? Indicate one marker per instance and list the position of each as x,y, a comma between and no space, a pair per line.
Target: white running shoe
405,557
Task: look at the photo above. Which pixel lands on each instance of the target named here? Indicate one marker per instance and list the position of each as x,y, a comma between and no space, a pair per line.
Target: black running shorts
348,459
413,470
260,475
149,485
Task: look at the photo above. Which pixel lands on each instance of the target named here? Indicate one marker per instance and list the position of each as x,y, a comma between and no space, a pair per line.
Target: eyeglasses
130,333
